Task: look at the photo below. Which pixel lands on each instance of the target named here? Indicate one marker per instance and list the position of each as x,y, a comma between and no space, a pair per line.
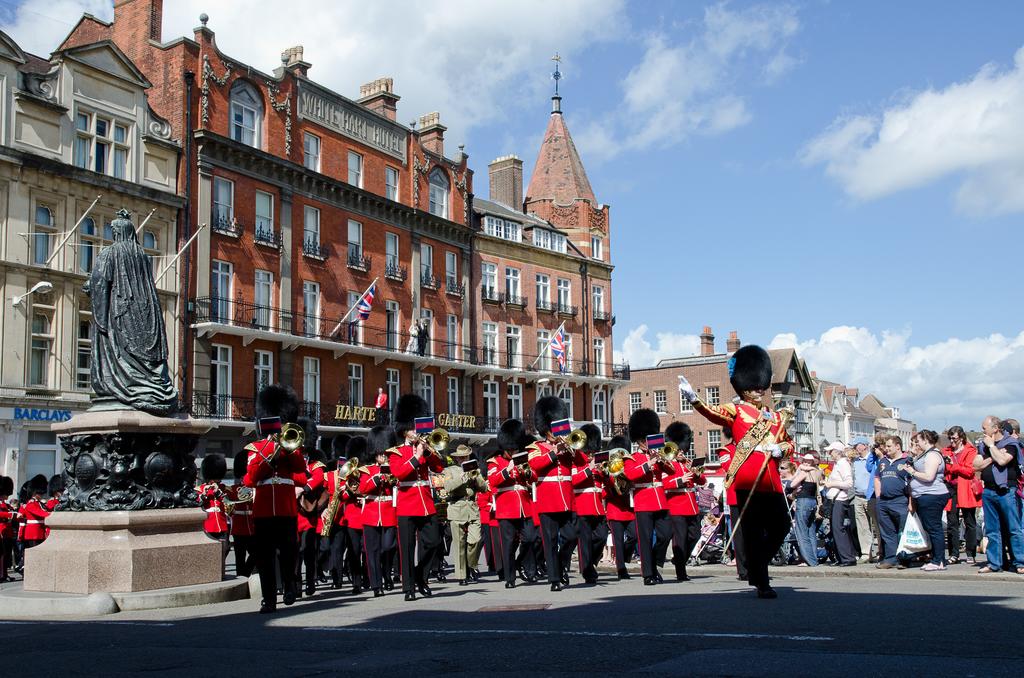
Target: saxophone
332,506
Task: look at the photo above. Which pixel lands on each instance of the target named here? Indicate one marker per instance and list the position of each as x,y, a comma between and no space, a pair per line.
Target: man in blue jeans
999,459
892,487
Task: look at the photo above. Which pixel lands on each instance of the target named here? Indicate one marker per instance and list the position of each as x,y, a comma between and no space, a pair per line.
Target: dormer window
246,113
439,188
101,144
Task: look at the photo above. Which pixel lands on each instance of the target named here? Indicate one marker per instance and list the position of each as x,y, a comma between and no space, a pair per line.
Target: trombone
436,441
291,437
668,454
576,440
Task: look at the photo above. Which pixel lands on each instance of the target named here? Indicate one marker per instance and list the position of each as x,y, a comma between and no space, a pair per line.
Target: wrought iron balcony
490,295
514,300
568,310
393,271
429,280
544,306
453,286
314,250
357,261
601,316
226,225
267,236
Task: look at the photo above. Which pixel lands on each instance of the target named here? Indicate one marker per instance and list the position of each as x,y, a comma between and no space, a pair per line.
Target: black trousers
970,517
623,541
354,556
309,546
496,552
593,532
842,521
6,556
653,534
379,548
275,537
513,534
422,532
245,554
764,527
738,548
558,535
685,533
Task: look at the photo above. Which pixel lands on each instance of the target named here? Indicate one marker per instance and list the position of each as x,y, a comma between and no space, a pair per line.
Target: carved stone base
122,552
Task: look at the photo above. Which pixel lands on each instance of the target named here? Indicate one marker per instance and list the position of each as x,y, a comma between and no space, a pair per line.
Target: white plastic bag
914,539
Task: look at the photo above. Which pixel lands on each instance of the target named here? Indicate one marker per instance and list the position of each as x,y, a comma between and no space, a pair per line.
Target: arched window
149,240
246,113
439,188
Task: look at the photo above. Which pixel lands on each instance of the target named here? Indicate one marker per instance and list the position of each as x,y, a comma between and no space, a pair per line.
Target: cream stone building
74,127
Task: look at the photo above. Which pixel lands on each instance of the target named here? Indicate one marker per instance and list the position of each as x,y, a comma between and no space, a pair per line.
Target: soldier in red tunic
681,492
379,518
510,497
411,464
644,469
271,471
588,495
619,509
34,513
212,494
242,527
352,506
309,489
8,528
761,440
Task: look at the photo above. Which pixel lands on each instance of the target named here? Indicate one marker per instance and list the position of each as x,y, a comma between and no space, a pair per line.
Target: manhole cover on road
514,608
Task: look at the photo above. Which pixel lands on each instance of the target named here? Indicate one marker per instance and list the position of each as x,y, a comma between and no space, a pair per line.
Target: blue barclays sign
33,414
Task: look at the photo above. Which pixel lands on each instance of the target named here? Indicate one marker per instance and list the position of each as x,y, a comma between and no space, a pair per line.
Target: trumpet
576,440
436,441
291,437
669,453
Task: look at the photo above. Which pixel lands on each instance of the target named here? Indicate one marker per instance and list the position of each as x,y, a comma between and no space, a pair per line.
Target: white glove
686,390
775,451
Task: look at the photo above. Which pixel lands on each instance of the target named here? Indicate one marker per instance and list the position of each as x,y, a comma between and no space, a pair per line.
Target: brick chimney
707,342
291,59
379,96
506,179
432,132
732,344
136,22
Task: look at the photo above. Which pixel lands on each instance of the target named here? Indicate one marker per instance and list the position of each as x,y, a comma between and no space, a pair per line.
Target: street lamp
42,287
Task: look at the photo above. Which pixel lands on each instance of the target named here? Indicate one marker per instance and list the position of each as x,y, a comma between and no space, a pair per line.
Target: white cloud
686,87
638,352
969,129
955,381
472,61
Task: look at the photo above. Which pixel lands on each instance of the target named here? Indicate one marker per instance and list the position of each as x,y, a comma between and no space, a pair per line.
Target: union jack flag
558,348
365,304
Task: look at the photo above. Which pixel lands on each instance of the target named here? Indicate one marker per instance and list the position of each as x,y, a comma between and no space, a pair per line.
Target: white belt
276,480
556,479
376,498
680,490
243,513
214,509
646,486
415,483
516,488
587,490
34,522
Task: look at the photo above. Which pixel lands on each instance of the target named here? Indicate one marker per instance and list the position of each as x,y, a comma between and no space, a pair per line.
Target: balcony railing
490,295
515,300
240,313
453,286
393,271
357,261
314,250
429,281
226,225
544,306
601,316
567,310
267,236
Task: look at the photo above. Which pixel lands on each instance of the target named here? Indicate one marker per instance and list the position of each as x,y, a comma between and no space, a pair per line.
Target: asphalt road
711,626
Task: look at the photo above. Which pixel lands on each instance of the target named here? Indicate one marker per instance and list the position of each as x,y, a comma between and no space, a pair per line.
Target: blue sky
842,177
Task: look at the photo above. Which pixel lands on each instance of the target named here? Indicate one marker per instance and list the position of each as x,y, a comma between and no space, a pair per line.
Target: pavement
950,623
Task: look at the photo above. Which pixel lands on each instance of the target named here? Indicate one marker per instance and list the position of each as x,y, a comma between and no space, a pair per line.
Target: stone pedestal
123,551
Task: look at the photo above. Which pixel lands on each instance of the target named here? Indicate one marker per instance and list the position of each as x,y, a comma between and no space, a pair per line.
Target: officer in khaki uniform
464,513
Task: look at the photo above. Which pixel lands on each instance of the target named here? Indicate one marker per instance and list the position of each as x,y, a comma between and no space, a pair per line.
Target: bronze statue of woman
129,343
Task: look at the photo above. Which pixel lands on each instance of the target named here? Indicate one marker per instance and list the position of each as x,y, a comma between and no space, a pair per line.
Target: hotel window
310,308
597,299
42,341
391,251
600,405
263,296
355,384
220,380
427,390
223,202
564,293
513,351
451,270
491,403
453,336
355,169
711,395
453,396
543,290
83,362
714,442
599,357
596,248
263,369
88,245
426,260
490,356
427,319
439,187
355,240
684,404
311,381
246,113
391,183
42,233
512,284
634,402
391,325
393,381
489,280
494,226
543,352
354,326
220,291
311,226
566,394
311,151
661,402
101,144
515,401
264,213
513,231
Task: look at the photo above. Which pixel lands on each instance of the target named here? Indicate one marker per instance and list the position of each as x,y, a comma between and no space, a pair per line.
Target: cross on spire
556,76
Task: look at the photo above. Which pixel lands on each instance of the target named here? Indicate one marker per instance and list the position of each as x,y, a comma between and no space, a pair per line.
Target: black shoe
424,589
682,577
356,590
510,584
650,581
565,578
267,608
557,586
310,589
590,580
624,575
532,579
522,575
657,575
474,575
440,579
377,593
289,596
853,564
410,595
389,584
464,582
767,593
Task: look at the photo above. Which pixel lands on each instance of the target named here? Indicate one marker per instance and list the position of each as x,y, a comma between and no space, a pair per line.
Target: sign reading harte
352,120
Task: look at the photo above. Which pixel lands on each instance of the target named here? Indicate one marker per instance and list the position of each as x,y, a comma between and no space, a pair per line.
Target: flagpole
345,317
137,230
72,231
184,247
548,347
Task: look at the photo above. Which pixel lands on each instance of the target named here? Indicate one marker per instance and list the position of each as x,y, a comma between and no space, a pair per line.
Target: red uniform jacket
483,502
8,520
618,506
587,488
682,497
739,418
648,491
241,515
211,500
413,475
274,481
725,458
311,482
378,498
552,490
960,473
35,514
510,494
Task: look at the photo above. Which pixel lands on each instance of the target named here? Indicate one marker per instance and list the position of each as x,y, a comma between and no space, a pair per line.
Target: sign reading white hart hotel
351,120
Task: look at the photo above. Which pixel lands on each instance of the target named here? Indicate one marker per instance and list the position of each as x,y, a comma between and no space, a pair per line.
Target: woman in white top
929,494
839,488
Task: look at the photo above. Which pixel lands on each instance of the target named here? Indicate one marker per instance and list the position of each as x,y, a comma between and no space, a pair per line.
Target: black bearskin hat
547,410
6,486
356,447
38,485
240,465
486,452
408,408
276,400
593,436
750,368
617,443
681,434
55,486
512,436
642,423
311,433
378,441
339,445
214,467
